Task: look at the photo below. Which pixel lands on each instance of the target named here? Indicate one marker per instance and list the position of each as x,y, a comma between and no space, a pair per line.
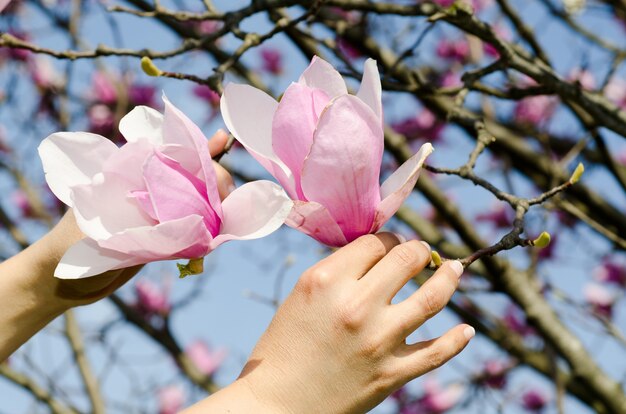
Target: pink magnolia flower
155,198
584,77
325,147
22,202
3,4
501,216
494,373
600,299
204,358
535,110
423,125
171,399
534,400
611,271
457,50
272,61
436,399
152,299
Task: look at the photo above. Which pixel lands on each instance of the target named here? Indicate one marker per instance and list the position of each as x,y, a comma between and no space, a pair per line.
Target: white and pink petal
253,210
322,75
142,123
73,158
313,219
342,169
399,185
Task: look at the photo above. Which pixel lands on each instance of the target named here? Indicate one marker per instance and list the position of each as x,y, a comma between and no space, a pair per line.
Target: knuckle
429,301
315,279
408,255
372,350
351,316
372,244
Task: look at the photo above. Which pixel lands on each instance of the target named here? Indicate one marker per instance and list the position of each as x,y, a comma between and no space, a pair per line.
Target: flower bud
578,172
436,258
149,67
542,241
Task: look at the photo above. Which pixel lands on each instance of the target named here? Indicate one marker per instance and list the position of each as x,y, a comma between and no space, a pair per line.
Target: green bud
149,67
578,172
542,241
193,267
436,258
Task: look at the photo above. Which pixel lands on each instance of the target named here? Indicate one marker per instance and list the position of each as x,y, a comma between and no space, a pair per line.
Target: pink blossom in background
103,88
3,4
611,272
348,48
101,121
451,80
155,198
325,147
424,125
139,94
535,110
501,216
534,400
600,299
457,49
5,148
21,201
208,95
515,320
494,373
503,33
44,74
436,399
204,358
152,299
615,91
19,55
584,77
171,399
272,61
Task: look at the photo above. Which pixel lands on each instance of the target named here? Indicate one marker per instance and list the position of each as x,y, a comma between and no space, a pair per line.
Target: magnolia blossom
325,147
171,399
534,400
152,299
204,358
600,299
155,198
3,4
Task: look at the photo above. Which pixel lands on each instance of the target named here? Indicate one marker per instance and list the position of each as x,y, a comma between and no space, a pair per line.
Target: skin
32,297
336,345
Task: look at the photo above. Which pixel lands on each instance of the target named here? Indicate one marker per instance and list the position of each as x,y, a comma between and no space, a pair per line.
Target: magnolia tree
332,108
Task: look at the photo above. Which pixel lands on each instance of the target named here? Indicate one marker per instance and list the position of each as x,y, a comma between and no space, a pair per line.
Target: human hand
338,345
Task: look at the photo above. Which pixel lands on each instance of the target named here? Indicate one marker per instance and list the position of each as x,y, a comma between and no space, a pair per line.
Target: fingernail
400,237
469,333
457,267
220,130
231,188
425,244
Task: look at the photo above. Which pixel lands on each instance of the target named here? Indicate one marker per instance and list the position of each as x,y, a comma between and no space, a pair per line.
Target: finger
417,359
356,258
217,142
225,183
403,262
429,299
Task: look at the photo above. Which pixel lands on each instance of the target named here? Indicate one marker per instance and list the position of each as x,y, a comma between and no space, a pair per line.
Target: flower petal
178,129
313,219
186,238
294,124
342,169
370,91
252,211
105,207
73,158
176,193
399,185
248,114
128,161
142,122
85,258
322,75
